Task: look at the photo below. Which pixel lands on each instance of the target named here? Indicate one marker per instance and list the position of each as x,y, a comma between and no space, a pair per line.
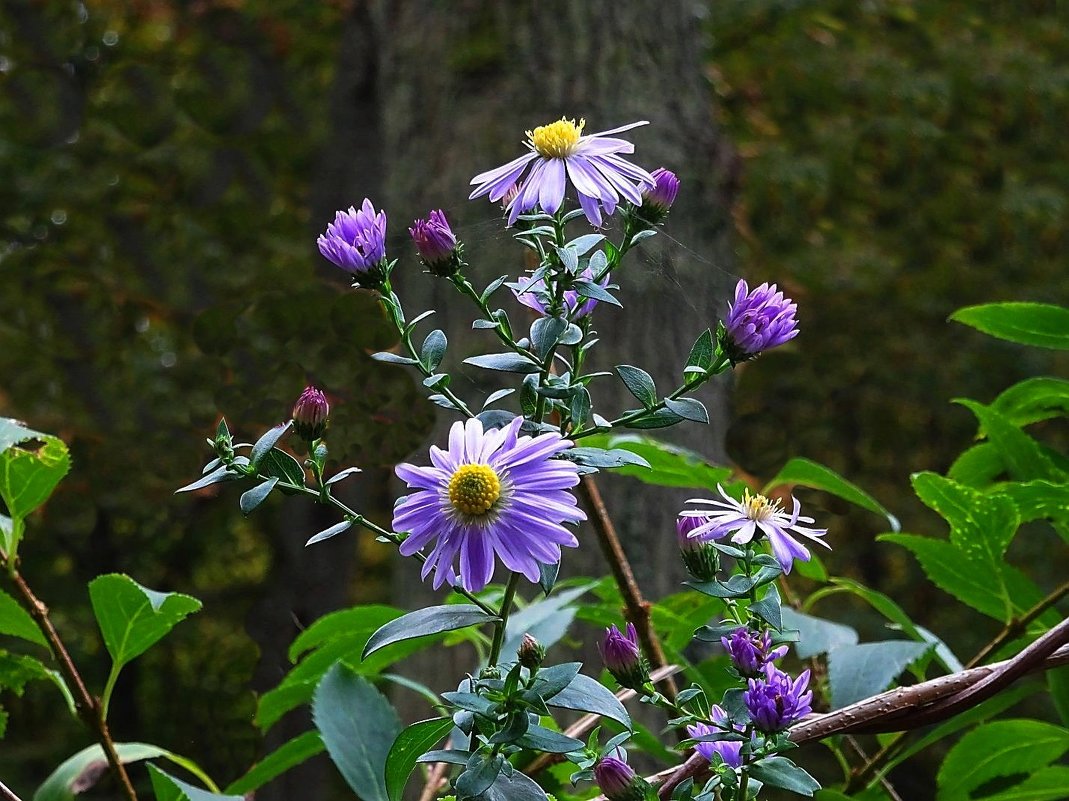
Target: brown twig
6,794
884,781
1013,629
638,609
85,704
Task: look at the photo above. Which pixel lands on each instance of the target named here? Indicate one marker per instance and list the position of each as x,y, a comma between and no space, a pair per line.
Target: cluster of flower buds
622,656
751,650
775,700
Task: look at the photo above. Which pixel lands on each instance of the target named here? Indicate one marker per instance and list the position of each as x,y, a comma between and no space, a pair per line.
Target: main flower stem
86,705
503,615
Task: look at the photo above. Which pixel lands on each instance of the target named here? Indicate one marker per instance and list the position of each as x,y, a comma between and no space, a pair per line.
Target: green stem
743,785
503,330
503,619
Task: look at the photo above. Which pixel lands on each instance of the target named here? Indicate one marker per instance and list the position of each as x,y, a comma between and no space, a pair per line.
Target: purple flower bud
699,557
730,750
531,652
775,701
310,414
657,201
750,651
757,321
436,244
623,657
356,242
619,782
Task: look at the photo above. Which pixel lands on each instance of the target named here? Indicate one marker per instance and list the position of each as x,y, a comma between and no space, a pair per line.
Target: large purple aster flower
775,701
356,241
752,517
534,295
757,321
492,493
559,151
730,750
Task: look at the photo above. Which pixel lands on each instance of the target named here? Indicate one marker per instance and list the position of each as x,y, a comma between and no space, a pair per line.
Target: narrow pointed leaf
432,620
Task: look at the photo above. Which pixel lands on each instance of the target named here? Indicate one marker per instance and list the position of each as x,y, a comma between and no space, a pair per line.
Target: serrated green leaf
1047,784
1022,455
28,475
1001,748
1038,324
358,727
1033,400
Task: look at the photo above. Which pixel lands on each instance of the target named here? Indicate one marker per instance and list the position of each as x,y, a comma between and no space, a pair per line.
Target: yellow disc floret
758,507
474,488
558,139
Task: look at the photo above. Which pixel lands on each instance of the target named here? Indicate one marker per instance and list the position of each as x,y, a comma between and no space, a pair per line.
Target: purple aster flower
490,493
592,163
730,750
659,199
622,656
356,242
757,321
310,414
750,650
775,701
535,296
618,781
753,517
699,557
436,244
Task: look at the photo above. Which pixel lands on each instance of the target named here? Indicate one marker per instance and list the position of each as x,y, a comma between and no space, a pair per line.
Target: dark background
165,168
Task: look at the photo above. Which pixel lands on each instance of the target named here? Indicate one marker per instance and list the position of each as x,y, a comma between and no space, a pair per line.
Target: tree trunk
459,84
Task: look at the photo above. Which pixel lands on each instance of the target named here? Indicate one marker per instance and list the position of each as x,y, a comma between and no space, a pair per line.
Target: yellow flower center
558,139
758,507
474,488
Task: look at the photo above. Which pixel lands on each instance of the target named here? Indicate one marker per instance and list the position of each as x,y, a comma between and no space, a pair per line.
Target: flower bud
356,242
658,200
757,321
310,414
619,782
531,652
775,701
750,651
699,557
623,658
436,244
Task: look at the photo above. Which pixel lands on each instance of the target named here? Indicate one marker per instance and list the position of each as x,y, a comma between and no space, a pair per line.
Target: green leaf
688,409
1047,784
433,350
768,608
358,727
818,636
28,475
332,531
432,620
81,771
1022,455
808,473
546,332
481,772
292,753
639,383
265,443
1037,500
546,620
858,671
1039,324
218,475
16,621
669,465
387,357
168,788
252,498
517,787
539,738
971,581
585,694
132,618
1033,400
506,362
701,354
588,289
1001,748
279,464
410,744
781,772
978,466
